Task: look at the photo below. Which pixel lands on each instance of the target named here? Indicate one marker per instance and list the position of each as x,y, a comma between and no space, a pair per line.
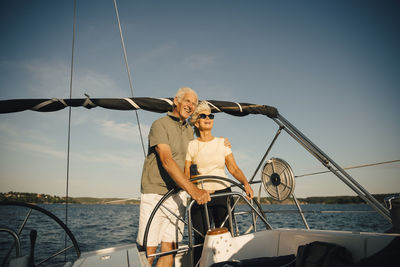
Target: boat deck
270,243
127,255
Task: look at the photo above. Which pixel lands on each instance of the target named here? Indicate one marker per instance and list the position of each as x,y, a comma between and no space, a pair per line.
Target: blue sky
332,68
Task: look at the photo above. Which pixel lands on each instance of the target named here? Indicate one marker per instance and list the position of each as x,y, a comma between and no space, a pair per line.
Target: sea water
101,226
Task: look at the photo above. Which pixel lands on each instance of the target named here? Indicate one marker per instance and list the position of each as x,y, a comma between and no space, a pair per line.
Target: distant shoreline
48,199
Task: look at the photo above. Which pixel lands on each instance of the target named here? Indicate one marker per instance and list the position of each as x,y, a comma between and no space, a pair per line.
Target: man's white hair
182,91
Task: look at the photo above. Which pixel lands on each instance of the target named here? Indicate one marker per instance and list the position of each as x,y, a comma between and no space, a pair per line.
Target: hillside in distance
48,199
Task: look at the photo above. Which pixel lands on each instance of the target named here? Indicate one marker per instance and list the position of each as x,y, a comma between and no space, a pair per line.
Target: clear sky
332,68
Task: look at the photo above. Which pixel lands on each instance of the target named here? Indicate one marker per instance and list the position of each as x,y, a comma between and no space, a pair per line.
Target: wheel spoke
18,233
277,192
25,221
55,254
42,212
286,185
284,169
182,220
266,174
273,166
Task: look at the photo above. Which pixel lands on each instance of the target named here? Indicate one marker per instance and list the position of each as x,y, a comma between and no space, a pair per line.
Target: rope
69,124
48,102
129,72
214,106
240,107
130,101
168,101
88,103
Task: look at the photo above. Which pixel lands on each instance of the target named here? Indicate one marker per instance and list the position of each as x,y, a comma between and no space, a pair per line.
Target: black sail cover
159,105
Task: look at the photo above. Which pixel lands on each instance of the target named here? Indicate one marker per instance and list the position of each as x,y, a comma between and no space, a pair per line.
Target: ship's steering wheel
16,234
185,247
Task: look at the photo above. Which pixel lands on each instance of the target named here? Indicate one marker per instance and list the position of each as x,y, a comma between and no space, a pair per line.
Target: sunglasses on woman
203,116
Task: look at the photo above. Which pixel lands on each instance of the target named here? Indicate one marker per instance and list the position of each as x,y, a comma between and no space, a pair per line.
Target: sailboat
252,240
260,243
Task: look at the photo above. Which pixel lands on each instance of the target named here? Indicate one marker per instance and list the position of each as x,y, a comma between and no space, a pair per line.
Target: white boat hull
268,243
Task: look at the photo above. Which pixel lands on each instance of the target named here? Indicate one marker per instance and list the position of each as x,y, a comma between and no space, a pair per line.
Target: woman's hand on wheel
249,191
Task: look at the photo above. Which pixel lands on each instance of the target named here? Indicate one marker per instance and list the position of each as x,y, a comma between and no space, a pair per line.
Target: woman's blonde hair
203,106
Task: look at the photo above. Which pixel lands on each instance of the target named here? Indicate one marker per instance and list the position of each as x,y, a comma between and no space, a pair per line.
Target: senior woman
211,156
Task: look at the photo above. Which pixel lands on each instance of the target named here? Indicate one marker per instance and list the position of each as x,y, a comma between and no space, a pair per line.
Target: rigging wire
69,123
129,72
349,168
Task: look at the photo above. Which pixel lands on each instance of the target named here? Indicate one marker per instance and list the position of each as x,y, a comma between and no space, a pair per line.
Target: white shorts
165,227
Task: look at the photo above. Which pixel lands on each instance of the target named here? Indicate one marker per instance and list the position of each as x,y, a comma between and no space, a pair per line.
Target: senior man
163,170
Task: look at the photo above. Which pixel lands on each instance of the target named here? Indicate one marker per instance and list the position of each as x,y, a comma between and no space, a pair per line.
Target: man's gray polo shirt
171,131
